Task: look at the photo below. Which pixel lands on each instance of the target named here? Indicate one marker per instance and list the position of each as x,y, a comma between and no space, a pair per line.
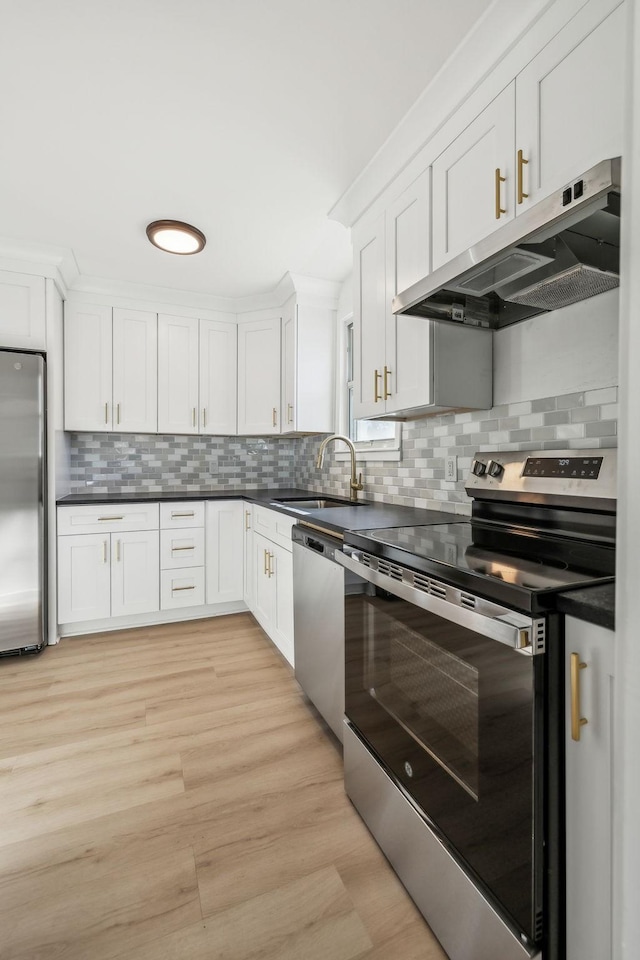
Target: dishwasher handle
325,546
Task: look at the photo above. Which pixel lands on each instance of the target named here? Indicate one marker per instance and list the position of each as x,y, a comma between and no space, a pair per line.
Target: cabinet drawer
107,518
181,548
273,525
186,514
181,588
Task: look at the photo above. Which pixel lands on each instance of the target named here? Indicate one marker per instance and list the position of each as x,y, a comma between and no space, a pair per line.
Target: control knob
478,468
495,469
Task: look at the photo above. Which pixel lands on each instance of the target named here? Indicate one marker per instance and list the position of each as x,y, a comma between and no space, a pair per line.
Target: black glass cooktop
474,553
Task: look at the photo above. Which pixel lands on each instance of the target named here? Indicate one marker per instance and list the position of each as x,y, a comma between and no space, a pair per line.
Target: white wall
565,351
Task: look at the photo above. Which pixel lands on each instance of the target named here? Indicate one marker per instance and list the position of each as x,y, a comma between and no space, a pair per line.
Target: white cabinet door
249,565
289,403
589,779
473,180
259,377
407,381
178,352
22,311
281,570
135,576
87,368
264,596
225,550
135,371
369,319
218,378
570,101
84,577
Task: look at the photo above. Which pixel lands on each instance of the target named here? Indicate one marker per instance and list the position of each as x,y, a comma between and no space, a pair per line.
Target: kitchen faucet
355,483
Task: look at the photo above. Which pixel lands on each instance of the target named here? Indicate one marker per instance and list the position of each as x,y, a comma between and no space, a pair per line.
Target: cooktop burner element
540,524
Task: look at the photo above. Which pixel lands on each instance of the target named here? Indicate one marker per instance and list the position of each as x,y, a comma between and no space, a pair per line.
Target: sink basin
318,503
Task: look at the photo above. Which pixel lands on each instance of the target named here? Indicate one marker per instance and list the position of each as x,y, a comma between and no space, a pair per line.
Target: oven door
455,717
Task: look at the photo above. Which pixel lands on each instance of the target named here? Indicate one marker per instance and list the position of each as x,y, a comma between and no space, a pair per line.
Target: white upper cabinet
88,365
562,114
218,377
408,364
135,372
569,102
259,362
22,311
473,180
178,356
110,360
308,365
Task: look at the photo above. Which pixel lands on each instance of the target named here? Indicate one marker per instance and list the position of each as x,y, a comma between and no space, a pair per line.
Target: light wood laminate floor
167,794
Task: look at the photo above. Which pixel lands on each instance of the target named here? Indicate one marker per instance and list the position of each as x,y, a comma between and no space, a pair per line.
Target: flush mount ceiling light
174,236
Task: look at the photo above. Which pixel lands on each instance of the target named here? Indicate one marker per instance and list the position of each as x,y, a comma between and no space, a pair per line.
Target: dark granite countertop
593,604
367,514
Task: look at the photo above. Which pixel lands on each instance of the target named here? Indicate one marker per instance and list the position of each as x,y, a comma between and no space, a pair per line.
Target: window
373,439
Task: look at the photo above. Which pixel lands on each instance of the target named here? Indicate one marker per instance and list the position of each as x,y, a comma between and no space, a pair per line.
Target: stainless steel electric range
454,695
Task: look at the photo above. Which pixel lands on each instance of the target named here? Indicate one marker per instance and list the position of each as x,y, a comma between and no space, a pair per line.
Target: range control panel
538,476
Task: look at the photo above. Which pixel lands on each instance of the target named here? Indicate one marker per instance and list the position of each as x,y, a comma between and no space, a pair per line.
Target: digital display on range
579,468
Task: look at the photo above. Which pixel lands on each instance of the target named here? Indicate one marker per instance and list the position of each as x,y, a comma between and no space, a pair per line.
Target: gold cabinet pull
175,513
289,413
499,179
110,518
117,413
104,551
176,589
247,514
175,549
266,562
204,417
118,550
576,720
271,571
106,413
521,164
376,376
194,416
274,417
386,391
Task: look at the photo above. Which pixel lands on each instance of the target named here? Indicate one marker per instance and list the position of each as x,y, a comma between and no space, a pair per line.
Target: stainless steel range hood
561,250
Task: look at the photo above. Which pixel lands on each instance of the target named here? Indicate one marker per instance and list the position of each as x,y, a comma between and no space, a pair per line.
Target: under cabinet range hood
561,250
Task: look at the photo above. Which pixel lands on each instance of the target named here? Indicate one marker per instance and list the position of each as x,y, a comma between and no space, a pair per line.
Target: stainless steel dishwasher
318,622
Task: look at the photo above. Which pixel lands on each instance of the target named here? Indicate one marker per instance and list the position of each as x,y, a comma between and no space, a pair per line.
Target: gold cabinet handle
266,562
274,417
177,589
247,514
289,413
117,413
175,513
175,549
521,164
118,551
106,413
385,389
204,417
194,416
271,570
376,376
499,179
110,518
104,551
576,720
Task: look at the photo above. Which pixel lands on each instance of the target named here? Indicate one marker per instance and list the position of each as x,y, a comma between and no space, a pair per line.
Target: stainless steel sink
318,503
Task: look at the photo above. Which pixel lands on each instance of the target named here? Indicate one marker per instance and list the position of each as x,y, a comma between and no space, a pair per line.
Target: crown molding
39,259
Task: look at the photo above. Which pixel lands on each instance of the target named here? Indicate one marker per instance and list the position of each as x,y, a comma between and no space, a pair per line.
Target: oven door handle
513,629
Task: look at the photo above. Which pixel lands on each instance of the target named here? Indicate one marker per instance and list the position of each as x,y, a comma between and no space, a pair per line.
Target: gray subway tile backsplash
116,462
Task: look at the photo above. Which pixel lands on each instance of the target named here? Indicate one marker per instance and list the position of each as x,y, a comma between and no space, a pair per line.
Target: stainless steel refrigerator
22,502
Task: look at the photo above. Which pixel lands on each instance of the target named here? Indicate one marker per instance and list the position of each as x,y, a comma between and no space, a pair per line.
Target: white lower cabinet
182,587
182,554
107,575
273,597
249,571
589,784
225,551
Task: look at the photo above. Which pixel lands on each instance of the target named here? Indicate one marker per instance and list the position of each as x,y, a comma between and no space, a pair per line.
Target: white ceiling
248,118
